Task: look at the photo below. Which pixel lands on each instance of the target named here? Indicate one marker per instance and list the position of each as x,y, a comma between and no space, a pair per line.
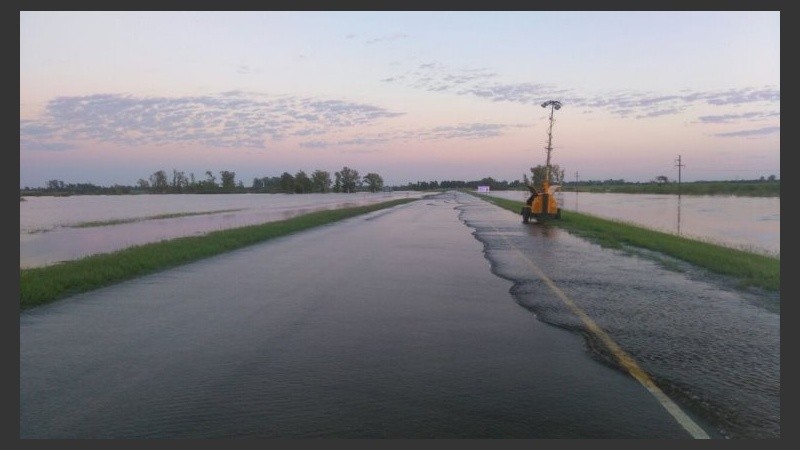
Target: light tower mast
554,105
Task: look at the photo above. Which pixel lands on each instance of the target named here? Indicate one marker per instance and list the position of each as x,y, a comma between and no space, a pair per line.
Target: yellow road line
621,356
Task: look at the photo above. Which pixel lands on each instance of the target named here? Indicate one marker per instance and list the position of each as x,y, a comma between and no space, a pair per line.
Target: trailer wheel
526,214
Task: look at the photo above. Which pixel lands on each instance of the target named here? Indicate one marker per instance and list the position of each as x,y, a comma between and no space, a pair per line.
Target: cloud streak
230,119
225,120
731,118
756,132
460,131
480,83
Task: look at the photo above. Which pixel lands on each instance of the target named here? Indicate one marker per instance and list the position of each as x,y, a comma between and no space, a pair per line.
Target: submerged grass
102,223
45,284
748,268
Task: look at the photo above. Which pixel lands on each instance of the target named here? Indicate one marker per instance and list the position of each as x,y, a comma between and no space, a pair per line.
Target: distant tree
771,178
272,184
662,179
452,184
158,181
302,184
374,182
556,175
525,180
258,184
228,180
337,185
55,185
287,183
350,179
321,181
179,181
143,184
210,182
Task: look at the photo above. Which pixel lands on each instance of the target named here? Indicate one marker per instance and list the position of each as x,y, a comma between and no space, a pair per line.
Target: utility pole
576,181
679,165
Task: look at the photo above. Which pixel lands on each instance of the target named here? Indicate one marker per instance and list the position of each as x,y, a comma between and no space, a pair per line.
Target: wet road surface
713,349
394,324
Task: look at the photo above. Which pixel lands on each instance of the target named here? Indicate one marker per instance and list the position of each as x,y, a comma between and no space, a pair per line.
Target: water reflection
576,207
750,223
47,233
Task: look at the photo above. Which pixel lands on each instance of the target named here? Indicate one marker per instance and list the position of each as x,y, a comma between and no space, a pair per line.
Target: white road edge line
622,357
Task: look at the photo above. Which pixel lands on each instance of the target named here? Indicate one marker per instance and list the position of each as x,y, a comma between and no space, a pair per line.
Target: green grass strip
45,284
748,268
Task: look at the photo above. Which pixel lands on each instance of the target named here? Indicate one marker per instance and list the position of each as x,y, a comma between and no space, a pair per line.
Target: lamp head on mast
555,103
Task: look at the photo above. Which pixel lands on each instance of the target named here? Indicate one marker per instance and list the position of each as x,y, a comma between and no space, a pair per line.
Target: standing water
747,223
55,229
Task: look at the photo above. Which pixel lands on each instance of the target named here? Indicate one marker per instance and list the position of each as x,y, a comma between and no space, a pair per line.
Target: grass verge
46,284
749,269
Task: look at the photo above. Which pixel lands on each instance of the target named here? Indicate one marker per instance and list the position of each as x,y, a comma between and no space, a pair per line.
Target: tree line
349,180
346,180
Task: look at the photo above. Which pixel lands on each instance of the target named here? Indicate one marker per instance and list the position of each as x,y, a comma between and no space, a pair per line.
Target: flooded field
54,229
749,223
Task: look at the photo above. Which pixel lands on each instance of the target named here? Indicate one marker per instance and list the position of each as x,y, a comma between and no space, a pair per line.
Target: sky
112,97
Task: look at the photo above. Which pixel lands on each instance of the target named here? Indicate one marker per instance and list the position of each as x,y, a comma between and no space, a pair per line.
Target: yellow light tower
542,204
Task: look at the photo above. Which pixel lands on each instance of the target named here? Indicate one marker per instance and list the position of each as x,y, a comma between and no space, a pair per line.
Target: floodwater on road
388,325
48,231
418,321
749,223
715,349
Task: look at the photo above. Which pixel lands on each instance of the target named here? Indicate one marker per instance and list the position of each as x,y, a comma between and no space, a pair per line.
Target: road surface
389,325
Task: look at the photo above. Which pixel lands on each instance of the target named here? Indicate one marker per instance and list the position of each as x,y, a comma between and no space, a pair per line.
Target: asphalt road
389,325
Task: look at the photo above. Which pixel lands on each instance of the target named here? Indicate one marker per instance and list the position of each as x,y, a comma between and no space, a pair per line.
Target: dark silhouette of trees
209,184
374,182
337,184
556,174
321,181
349,179
287,183
158,182
302,184
258,184
179,181
228,180
56,185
